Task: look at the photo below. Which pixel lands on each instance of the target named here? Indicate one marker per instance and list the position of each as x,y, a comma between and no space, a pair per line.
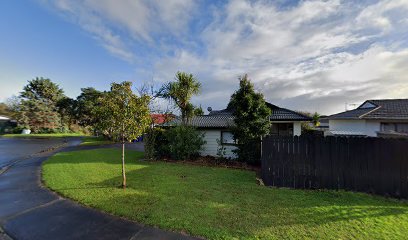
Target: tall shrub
156,143
184,142
251,117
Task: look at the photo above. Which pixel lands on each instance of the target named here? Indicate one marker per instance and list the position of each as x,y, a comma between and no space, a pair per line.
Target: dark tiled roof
224,118
393,109
283,114
352,114
207,121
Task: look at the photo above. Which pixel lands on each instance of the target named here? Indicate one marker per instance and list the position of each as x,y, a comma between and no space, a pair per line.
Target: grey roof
224,118
384,109
207,121
283,114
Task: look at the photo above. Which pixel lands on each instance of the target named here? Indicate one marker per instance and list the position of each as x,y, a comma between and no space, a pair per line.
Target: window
281,129
394,127
227,138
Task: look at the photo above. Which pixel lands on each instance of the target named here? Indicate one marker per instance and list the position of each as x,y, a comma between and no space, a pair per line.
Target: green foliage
184,142
67,110
251,120
316,119
87,101
123,116
180,92
221,150
42,88
38,107
198,111
155,143
220,203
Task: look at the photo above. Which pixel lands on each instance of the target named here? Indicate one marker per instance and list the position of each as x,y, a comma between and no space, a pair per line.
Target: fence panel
373,165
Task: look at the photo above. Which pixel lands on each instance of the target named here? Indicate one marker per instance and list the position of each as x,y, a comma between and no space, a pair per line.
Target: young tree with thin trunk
123,116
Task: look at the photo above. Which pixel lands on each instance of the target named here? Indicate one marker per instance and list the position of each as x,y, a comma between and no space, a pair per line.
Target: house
4,119
385,117
216,127
6,124
160,118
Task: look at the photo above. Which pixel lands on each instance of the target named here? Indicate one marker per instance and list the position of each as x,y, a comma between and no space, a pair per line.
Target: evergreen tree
251,117
86,102
38,107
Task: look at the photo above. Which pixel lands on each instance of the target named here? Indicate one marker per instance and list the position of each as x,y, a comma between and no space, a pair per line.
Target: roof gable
383,109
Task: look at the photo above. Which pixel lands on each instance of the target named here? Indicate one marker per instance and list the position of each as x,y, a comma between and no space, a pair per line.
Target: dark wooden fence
373,165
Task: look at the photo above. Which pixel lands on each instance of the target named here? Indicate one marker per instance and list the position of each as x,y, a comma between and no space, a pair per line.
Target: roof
161,118
207,121
4,118
283,114
224,118
383,109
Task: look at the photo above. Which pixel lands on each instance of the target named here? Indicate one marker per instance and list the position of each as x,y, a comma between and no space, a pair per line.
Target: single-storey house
6,124
385,117
216,127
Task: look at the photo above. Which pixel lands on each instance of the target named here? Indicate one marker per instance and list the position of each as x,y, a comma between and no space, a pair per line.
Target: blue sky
304,55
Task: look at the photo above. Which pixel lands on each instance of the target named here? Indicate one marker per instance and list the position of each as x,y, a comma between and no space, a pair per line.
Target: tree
38,108
67,110
123,115
251,118
42,88
180,92
86,104
198,111
316,119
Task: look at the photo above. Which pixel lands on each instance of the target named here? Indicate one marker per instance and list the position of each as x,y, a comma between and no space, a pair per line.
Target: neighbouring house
6,124
216,127
4,119
160,118
374,118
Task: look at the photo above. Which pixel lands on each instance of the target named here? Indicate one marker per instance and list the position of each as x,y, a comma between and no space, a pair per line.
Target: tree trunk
123,165
123,157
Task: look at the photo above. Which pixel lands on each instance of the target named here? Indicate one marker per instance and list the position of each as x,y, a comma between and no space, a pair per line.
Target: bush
155,143
249,151
184,142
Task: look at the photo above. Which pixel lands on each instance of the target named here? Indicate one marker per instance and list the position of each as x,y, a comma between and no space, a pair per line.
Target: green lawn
92,141
219,203
45,135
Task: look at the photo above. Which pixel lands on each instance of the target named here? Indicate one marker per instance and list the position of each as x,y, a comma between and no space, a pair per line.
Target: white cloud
110,21
316,55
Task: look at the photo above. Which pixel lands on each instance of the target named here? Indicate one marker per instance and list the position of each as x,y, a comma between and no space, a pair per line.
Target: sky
303,55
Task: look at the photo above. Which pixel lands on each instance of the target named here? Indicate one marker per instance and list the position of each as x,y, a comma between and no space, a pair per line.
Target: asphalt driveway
12,149
30,211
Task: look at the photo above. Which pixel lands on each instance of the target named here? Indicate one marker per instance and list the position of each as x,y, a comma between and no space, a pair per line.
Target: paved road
16,148
30,211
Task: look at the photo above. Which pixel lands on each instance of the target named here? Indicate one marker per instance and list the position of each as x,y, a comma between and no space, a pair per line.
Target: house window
281,129
227,138
394,127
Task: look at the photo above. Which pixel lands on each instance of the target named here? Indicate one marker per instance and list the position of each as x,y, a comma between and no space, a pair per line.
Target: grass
219,203
45,135
92,141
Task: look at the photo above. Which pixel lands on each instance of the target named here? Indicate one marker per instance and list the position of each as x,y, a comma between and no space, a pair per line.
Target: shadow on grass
266,207
192,198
